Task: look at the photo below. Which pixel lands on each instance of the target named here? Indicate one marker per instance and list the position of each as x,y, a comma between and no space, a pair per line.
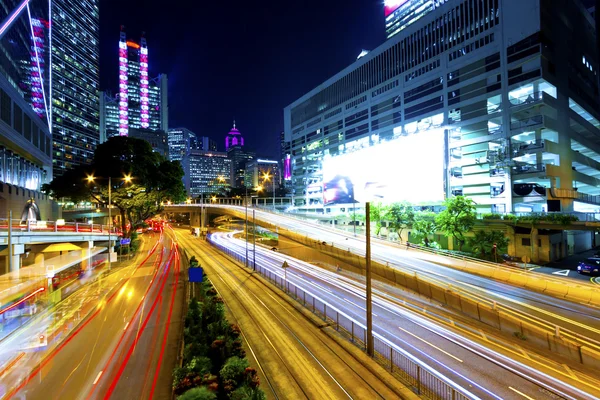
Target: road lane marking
431,344
521,393
97,378
564,272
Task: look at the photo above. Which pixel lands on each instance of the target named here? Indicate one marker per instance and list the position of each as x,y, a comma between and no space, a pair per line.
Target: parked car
590,266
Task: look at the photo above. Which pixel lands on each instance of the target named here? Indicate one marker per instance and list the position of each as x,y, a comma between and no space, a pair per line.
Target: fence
420,377
53,226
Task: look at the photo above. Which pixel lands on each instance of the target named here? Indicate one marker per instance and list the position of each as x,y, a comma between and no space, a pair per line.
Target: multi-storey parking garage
496,100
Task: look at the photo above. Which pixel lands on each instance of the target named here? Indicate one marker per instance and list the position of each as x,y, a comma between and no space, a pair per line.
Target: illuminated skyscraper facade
205,172
75,82
141,102
25,139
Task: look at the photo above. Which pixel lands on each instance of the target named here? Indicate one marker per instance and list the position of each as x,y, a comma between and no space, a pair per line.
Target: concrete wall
14,198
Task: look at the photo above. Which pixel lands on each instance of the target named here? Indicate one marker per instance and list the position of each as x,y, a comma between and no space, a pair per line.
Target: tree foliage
401,216
154,180
424,226
483,243
378,213
458,218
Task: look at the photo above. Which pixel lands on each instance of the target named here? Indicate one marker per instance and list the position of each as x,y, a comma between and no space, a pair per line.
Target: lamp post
127,179
246,226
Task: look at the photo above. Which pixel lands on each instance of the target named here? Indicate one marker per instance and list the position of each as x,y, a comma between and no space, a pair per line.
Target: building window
525,242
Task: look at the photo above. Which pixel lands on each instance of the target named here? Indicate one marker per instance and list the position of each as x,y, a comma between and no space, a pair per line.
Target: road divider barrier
493,316
420,377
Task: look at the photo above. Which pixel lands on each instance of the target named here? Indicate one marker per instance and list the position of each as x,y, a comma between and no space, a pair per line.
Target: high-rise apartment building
496,100
206,172
75,82
141,102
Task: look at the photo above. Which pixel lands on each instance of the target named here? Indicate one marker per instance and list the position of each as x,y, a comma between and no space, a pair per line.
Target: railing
524,148
528,122
531,98
581,217
54,226
420,377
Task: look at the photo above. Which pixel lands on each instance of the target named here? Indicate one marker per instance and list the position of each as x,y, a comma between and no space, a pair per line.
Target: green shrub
247,393
234,369
199,393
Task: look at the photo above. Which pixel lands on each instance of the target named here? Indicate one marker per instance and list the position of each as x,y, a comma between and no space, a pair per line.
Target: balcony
528,169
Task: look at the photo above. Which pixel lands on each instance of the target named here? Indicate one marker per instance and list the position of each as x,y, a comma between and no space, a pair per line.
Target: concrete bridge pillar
195,219
13,263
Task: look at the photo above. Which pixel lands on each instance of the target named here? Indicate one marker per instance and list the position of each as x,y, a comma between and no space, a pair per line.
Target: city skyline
215,74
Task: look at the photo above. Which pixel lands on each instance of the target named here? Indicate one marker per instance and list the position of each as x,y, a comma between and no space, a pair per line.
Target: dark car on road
590,266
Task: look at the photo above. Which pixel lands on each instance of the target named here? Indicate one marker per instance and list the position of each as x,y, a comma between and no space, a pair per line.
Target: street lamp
127,178
267,177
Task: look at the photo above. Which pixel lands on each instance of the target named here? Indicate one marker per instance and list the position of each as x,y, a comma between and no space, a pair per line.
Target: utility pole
10,248
110,222
246,203
353,212
370,346
253,240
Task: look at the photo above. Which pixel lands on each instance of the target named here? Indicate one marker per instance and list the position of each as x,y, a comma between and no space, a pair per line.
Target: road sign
564,272
526,259
125,241
195,274
285,265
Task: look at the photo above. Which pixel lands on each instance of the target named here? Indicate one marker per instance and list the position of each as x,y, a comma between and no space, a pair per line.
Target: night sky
240,59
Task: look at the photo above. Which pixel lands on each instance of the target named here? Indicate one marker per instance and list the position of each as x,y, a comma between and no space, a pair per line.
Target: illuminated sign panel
410,168
392,5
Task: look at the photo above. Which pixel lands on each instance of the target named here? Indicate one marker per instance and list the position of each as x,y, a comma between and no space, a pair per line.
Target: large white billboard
410,168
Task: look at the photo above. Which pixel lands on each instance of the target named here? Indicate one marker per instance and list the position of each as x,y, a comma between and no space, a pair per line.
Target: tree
401,216
424,226
483,243
457,219
378,213
154,180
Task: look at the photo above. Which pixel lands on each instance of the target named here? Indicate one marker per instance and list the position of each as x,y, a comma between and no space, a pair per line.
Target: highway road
294,357
578,318
98,341
487,369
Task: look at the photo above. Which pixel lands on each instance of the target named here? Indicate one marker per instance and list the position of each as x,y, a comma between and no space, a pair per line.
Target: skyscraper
205,172
141,102
75,82
25,140
239,155
181,141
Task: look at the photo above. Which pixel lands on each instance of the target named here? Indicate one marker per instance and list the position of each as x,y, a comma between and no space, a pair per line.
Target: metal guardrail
54,226
420,377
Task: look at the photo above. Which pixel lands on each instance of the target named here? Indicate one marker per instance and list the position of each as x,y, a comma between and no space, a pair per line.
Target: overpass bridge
38,238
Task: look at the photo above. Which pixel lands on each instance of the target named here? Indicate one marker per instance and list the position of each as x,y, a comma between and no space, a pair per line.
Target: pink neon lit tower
144,105
123,86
